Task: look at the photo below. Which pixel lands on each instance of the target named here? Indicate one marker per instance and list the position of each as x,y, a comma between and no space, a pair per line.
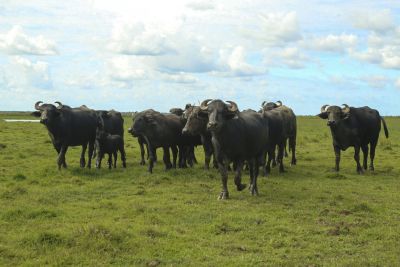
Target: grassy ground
309,216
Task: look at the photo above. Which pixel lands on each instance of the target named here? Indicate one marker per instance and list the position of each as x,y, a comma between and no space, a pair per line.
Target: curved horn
346,108
37,105
278,103
233,107
60,105
204,104
324,108
263,103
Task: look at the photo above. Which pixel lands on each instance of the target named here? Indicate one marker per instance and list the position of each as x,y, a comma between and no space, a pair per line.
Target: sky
135,55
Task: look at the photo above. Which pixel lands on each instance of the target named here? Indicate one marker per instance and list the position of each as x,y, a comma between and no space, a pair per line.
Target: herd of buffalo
233,139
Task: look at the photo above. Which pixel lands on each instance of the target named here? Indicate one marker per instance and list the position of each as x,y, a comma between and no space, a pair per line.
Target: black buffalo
68,127
237,137
159,130
196,124
110,144
289,125
356,127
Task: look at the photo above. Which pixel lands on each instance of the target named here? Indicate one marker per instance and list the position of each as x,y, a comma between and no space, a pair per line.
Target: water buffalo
68,127
356,127
110,144
159,130
197,125
237,137
289,125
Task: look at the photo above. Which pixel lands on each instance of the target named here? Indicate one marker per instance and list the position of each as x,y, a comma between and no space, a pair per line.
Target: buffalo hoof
142,163
293,162
273,163
371,168
253,190
241,187
360,171
223,195
124,165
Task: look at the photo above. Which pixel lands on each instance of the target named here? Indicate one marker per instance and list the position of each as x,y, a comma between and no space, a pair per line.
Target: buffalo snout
212,125
331,123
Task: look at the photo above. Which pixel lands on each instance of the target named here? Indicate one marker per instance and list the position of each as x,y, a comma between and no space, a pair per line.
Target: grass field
308,216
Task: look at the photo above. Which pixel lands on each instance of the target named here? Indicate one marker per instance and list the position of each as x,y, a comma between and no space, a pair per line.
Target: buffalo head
218,112
196,121
334,114
48,113
270,105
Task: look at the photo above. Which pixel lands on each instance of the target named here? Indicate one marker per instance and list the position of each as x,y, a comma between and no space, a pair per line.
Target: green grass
308,216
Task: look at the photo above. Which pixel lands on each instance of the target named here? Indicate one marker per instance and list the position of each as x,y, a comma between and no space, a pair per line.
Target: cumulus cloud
16,42
378,21
397,83
376,81
237,64
139,39
387,56
202,5
275,29
292,57
28,73
333,43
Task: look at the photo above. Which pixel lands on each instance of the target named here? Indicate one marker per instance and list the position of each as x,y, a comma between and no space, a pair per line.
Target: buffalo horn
324,108
278,103
346,108
37,105
204,104
60,105
233,107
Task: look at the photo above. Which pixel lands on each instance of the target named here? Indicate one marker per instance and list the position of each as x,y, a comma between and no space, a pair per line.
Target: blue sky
131,56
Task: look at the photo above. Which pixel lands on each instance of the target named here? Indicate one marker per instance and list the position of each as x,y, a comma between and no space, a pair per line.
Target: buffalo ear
202,114
323,115
230,115
36,114
345,116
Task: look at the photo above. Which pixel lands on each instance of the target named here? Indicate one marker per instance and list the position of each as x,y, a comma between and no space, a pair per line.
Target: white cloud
23,73
378,21
293,57
16,42
275,29
139,39
376,81
180,77
202,5
397,83
237,63
333,43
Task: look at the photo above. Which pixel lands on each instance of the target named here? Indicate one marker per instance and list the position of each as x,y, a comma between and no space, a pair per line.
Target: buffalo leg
123,156
91,147
152,153
142,161
357,158
238,176
253,176
337,157
267,168
166,158
372,155
292,146
280,158
224,179
61,156
365,153
207,154
109,160
100,156
115,155
82,161
174,150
